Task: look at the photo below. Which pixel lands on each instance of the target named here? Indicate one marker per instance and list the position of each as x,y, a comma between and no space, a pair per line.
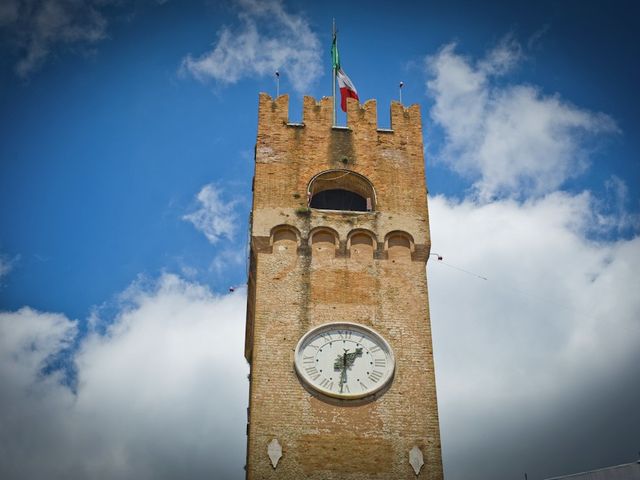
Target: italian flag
347,88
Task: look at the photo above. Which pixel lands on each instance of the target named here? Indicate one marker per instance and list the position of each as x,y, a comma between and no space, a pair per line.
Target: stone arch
399,246
323,241
285,239
341,190
361,244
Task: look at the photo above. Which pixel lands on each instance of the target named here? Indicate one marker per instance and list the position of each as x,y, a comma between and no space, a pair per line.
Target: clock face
344,360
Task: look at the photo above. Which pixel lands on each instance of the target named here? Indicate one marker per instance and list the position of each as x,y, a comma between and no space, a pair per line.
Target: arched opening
284,239
323,244
341,190
337,199
361,246
399,247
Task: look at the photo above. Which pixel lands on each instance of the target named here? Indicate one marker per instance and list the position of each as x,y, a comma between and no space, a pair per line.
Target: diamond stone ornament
275,452
416,459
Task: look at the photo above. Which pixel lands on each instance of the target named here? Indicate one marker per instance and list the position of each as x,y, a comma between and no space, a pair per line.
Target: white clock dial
344,360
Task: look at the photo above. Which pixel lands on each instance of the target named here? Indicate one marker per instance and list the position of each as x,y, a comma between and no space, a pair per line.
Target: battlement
318,114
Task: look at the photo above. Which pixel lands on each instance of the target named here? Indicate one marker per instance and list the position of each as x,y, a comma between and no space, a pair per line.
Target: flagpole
333,76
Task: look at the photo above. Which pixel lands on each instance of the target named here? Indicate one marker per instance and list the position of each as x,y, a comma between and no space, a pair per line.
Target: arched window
337,199
341,190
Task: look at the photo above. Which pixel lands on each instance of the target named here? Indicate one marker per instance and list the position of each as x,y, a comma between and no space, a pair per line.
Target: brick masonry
310,267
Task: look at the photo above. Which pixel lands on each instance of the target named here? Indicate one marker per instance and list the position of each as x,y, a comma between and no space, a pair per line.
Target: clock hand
343,375
339,365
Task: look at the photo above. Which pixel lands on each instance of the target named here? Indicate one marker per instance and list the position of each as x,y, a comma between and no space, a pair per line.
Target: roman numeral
327,337
308,359
379,362
364,387
326,384
344,334
375,376
374,349
312,372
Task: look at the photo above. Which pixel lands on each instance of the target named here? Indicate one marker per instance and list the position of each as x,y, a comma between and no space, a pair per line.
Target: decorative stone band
264,245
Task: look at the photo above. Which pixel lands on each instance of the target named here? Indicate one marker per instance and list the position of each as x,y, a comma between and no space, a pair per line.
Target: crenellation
362,118
273,114
317,114
406,120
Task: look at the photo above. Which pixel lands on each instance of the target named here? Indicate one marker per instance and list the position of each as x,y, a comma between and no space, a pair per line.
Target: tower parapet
319,113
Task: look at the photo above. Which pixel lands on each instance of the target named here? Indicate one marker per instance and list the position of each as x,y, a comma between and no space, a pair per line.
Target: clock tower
338,335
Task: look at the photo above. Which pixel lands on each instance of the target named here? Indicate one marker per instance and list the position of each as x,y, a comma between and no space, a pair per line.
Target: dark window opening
339,200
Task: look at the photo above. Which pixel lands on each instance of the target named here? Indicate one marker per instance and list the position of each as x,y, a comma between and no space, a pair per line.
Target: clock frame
344,360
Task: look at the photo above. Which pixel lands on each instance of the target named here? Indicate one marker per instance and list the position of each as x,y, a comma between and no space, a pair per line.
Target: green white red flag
347,88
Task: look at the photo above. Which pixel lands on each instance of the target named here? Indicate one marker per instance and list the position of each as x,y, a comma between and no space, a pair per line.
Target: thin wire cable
462,270
527,294
333,179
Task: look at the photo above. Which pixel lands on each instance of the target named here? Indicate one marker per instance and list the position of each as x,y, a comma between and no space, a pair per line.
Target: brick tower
338,334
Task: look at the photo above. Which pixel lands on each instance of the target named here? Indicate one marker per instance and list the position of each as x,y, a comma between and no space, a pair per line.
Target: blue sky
125,180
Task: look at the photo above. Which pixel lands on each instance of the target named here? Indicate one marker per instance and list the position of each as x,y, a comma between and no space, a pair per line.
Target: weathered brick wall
294,286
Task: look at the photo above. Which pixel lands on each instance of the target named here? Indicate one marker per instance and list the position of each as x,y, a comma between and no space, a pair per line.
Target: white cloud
7,263
553,329
502,58
269,39
162,394
535,364
5,266
38,27
215,217
227,259
623,218
510,140
27,339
